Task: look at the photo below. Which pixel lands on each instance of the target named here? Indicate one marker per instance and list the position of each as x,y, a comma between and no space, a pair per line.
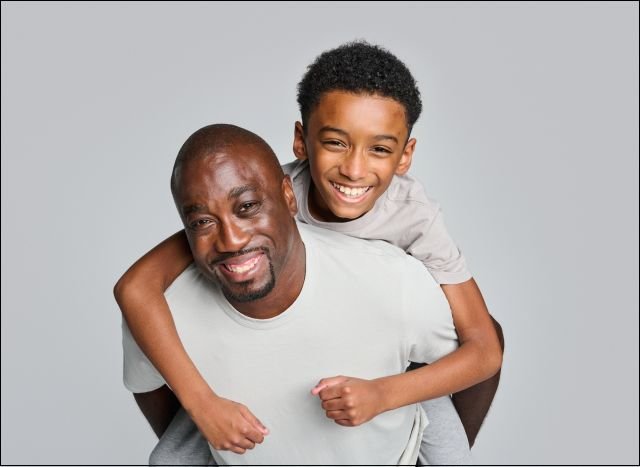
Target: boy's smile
355,143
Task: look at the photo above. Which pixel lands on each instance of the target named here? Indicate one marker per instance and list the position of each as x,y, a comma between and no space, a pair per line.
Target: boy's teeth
353,192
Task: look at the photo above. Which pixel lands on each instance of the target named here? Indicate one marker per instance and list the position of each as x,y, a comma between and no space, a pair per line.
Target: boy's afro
359,67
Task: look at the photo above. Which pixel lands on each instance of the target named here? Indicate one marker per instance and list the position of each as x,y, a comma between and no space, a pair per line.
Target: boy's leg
181,444
473,403
444,441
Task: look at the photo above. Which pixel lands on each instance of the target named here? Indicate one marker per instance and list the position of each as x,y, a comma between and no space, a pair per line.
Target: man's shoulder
329,241
372,259
189,282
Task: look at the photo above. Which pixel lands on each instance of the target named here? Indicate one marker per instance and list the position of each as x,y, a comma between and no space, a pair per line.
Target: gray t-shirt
366,309
403,216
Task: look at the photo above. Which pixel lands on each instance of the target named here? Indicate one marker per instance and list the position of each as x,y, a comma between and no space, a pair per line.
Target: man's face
355,143
238,220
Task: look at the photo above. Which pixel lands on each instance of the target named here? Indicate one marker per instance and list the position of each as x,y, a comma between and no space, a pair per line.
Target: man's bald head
230,140
238,210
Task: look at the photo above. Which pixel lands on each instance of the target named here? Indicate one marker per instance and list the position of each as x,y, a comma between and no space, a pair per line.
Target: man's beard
248,295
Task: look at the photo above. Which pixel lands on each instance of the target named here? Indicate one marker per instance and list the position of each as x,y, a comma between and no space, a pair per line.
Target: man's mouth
351,193
244,266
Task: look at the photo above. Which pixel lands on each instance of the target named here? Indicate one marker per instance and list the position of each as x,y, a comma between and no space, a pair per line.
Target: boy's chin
350,213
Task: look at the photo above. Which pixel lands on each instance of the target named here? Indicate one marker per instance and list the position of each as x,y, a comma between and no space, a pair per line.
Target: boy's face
355,143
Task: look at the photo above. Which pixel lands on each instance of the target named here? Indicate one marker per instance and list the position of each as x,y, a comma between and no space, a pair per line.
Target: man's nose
231,237
354,165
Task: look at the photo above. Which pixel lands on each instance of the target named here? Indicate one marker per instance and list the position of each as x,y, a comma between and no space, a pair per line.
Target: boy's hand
350,401
229,426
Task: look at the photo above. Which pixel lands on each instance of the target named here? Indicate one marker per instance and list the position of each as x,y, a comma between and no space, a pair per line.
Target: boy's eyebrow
334,129
344,133
382,137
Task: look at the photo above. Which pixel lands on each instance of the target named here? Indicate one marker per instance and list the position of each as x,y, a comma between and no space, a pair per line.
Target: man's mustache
225,256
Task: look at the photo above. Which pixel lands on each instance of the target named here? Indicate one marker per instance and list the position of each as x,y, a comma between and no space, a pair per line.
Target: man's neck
288,286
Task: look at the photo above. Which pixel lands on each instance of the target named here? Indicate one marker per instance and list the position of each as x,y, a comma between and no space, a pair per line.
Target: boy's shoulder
406,188
295,167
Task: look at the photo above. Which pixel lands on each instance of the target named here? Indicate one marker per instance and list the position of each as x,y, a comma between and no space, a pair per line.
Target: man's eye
200,223
333,142
248,207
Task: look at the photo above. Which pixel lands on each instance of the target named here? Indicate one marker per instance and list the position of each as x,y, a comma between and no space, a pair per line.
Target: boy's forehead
339,107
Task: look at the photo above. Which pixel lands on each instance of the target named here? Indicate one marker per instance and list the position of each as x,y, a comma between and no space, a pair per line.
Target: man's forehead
216,178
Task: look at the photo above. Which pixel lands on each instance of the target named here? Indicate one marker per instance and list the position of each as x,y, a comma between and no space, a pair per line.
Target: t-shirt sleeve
139,373
432,244
429,324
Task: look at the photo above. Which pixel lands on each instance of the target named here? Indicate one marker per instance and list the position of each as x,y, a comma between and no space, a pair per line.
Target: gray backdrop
529,139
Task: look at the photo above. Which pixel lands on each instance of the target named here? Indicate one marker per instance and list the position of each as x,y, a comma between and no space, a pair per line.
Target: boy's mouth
350,194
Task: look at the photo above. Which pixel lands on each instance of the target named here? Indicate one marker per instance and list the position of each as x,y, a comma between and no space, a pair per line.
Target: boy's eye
334,143
382,150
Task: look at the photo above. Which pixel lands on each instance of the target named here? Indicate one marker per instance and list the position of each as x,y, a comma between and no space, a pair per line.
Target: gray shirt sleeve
431,243
429,324
139,373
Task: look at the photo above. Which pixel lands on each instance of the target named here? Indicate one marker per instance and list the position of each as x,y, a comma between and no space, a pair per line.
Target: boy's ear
406,158
299,145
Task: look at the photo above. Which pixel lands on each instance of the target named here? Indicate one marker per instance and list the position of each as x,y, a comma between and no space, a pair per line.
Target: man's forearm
159,407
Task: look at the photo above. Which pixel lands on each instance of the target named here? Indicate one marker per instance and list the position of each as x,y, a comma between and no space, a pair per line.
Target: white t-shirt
366,309
403,216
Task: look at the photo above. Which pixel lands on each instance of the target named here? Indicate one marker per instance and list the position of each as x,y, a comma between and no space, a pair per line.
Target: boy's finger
337,415
246,413
331,392
326,382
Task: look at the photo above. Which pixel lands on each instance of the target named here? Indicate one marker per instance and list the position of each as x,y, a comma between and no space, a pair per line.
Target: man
273,307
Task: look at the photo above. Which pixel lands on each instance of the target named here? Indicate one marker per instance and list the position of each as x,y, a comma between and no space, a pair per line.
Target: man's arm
159,407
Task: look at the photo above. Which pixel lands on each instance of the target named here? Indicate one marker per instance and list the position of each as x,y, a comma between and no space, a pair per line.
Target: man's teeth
352,192
244,267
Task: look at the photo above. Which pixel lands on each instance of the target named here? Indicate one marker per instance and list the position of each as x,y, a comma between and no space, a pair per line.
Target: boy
358,104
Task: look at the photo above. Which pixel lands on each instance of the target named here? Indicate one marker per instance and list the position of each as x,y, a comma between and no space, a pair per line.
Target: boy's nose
354,166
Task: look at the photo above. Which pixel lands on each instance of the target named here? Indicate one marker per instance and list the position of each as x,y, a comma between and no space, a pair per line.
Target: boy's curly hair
362,68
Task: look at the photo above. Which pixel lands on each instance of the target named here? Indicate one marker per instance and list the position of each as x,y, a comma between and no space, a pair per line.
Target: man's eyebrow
237,191
344,133
191,208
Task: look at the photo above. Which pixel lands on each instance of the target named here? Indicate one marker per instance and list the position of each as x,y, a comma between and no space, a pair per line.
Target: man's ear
407,156
289,196
299,145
